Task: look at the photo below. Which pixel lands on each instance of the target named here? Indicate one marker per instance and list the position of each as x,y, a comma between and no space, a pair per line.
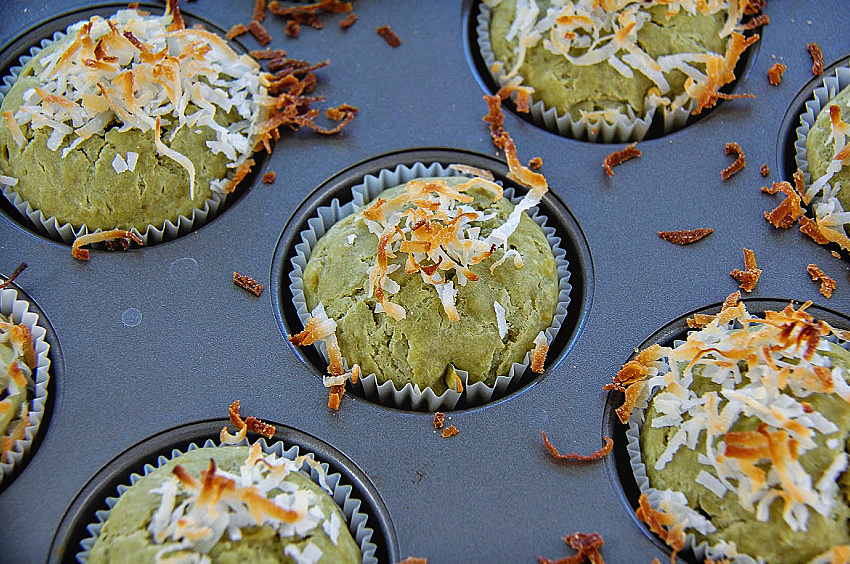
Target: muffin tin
148,347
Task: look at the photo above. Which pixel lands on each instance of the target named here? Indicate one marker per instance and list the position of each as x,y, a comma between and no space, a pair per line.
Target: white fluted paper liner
18,311
341,494
412,395
621,129
66,232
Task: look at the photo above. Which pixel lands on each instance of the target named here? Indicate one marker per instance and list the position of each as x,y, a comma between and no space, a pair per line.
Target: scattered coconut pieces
758,21
662,524
817,58
787,213
775,72
348,21
450,431
619,157
269,177
439,420
720,71
259,32
236,31
587,545
686,237
827,284
810,228
248,283
244,426
17,272
631,378
764,170
599,454
389,36
79,253
259,10
535,163
538,353
751,273
738,165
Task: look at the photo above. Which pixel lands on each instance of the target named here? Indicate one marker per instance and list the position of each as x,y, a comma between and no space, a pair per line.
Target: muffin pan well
193,342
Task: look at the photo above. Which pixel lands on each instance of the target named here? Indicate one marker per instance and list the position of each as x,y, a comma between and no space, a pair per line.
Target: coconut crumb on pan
764,170
17,272
269,177
599,454
721,71
243,426
810,228
758,21
827,284
535,163
389,36
236,31
259,32
789,210
348,21
740,160
248,283
774,74
450,431
817,58
587,545
523,95
751,273
259,10
686,237
619,157
439,419
79,253
414,560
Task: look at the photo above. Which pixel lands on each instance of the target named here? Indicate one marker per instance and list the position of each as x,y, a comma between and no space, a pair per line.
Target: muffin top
229,505
129,121
746,433
824,145
593,59
435,275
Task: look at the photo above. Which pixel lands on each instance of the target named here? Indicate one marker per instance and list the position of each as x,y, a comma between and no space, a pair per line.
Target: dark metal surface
491,493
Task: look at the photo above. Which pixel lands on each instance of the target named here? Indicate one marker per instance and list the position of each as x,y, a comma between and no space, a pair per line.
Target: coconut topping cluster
591,32
144,72
194,514
15,374
765,369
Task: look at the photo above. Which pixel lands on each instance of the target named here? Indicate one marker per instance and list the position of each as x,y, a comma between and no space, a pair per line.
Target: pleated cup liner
66,232
18,312
626,127
831,85
702,550
413,396
331,483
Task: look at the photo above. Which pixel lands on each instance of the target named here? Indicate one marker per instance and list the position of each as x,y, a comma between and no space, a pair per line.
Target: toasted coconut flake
774,74
686,237
348,21
618,157
601,453
631,378
720,71
827,284
817,58
14,128
17,272
810,228
236,31
758,21
700,320
473,171
79,253
414,560
268,54
764,170
248,283
535,163
750,275
450,431
661,524
243,426
172,7
179,158
260,10
439,419
318,327
341,112
738,165
259,32
293,30
538,354
501,322
523,96
787,213
242,171
269,177
587,545
389,36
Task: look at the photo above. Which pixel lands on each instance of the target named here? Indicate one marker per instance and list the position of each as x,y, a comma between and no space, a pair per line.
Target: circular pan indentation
92,497
54,383
786,152
618,465
471,11
10,55
339,187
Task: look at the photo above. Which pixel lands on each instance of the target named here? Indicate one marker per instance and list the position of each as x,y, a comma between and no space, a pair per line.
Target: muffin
744,440
454,296
823,145
227,505
18,362
599,67
129,122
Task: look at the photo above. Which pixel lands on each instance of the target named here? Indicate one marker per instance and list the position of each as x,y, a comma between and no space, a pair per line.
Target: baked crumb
619,157
450,431
535,163
835,254
389,36
269,177
349,21
774,73
248,283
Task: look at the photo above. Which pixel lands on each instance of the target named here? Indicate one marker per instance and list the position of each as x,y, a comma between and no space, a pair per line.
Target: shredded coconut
501,322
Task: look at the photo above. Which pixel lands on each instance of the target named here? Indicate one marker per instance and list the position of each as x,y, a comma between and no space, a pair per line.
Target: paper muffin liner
623,127
356,520
831,85
18,311
412,395
66,232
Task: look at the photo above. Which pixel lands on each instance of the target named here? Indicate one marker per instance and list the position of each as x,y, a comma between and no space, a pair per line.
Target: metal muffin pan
155,341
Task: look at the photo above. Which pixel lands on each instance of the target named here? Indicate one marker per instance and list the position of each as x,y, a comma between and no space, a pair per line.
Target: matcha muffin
129,122
436,284
228,504
600,67
745,437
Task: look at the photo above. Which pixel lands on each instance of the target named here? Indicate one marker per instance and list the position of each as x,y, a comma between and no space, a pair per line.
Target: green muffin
80,143
819,151
126,536
575,88
807,395
425,346
17,362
